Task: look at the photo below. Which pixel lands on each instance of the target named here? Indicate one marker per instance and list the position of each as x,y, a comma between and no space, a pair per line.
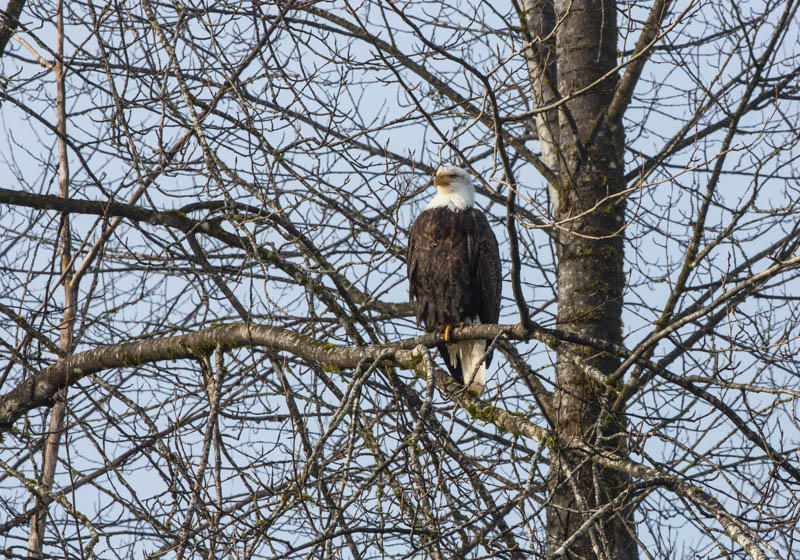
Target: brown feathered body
455,276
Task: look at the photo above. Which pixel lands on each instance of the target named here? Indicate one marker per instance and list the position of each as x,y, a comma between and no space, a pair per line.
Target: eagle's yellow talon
447,330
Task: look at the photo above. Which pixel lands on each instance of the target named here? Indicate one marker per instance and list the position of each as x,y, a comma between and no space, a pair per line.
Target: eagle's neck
456,199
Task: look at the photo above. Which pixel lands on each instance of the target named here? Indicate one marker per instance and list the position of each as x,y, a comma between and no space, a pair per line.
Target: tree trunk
590,282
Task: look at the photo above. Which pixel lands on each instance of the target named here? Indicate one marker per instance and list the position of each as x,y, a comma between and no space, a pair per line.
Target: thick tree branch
41,387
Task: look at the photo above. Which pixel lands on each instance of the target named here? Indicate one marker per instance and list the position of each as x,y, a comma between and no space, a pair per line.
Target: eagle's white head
454,189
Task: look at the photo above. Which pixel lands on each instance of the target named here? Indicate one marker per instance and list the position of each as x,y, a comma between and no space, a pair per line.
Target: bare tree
208,206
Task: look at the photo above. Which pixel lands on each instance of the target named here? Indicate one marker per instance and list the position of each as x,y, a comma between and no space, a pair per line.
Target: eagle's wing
417,243
485,258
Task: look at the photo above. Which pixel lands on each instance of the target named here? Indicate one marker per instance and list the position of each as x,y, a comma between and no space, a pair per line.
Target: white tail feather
470,354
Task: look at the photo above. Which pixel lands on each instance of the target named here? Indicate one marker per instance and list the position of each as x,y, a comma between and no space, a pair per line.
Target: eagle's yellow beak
441,180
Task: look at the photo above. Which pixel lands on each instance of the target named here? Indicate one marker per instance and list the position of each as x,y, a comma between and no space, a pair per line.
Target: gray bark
590,283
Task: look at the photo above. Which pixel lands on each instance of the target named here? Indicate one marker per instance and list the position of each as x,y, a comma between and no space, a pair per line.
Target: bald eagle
454,273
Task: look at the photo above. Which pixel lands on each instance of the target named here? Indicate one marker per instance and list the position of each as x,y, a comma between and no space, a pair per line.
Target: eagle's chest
445,245
450,235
